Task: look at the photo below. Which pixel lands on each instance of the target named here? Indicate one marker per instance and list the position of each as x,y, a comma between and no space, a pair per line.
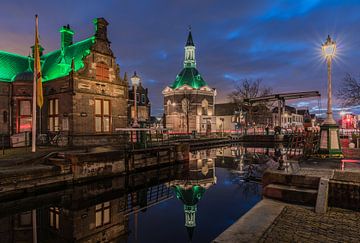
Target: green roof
189,76
191,196
55,64
12,64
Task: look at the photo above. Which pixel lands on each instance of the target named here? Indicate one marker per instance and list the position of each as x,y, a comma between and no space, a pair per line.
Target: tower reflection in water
190,188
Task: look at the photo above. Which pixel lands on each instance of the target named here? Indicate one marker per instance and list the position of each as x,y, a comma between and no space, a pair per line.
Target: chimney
66,36
101,28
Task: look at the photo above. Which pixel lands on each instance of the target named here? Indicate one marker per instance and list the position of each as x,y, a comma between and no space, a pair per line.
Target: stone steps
291,194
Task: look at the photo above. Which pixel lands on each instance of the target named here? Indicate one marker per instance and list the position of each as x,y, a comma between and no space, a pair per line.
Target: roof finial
189,27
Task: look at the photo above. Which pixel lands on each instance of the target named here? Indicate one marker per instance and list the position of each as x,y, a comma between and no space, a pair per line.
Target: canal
196,201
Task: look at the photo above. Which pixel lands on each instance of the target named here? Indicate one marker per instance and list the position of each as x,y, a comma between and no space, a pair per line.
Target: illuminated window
168,106
102,214
54,215
24,116
53,111
102,115
185,105
204,106
25,218
102,72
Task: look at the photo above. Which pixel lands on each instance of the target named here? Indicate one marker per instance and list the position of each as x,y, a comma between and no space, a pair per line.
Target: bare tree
349,91
246,89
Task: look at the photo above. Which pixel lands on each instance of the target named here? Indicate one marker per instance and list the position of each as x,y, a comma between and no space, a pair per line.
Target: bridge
281,98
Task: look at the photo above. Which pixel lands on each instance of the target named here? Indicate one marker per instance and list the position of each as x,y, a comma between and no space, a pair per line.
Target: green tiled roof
189,76
189,196
55,64
12,64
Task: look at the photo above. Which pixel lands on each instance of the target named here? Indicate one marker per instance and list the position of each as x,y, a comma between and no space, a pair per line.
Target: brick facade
76,94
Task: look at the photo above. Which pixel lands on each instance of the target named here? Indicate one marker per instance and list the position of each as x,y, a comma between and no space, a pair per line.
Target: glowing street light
135,80
329,131
329,48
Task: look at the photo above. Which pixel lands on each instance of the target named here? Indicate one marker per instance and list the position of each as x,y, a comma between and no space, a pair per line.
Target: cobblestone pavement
297,224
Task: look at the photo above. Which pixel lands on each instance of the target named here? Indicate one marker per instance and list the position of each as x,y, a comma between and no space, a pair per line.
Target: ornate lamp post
329,131
135,80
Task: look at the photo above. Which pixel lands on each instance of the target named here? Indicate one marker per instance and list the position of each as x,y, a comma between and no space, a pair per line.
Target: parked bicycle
54,138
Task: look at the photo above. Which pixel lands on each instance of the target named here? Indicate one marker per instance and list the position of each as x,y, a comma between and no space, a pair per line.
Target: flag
37,67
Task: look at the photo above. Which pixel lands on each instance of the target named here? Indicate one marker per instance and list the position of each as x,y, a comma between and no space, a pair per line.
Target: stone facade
91,98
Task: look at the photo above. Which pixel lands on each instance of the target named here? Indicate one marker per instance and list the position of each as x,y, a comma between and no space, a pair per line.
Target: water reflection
192,185
206,195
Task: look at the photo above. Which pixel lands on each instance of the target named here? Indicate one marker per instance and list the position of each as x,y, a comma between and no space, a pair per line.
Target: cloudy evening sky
277,41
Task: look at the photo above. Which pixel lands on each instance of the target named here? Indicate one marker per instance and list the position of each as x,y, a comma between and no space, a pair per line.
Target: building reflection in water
100,211
95,212
191,186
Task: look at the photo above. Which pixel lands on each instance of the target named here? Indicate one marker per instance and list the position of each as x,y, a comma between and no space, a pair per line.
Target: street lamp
328,49
329,131
135,80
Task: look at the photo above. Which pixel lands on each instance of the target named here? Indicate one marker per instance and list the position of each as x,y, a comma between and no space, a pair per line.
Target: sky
276,41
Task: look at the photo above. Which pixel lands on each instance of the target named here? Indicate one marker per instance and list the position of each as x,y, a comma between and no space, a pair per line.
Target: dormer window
102,72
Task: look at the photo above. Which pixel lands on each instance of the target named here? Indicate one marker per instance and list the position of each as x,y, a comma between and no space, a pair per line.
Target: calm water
196,200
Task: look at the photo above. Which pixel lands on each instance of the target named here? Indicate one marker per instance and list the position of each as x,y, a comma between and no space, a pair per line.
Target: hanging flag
37,67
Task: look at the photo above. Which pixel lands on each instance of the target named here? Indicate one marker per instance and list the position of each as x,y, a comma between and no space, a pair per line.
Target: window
24,116
5,117
25,219
137,97
54,214
168,105
102,115
102,214
204,106
185,105
53,111
102,72
143,98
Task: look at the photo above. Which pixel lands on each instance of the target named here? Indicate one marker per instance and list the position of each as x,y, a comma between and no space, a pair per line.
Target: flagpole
33,127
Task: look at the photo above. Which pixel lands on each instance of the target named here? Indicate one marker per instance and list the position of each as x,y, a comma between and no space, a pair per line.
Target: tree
246,89
349,91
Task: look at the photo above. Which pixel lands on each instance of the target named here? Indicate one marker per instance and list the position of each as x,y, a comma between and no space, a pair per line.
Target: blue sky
277,41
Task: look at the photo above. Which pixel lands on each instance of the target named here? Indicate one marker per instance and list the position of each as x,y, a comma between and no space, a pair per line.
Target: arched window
185,105
204,106
102,71
168,106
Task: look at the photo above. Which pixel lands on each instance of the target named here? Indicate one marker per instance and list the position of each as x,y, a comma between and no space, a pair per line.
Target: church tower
189,101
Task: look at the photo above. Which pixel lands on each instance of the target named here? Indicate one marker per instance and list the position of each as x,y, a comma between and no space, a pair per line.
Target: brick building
189,101
84,96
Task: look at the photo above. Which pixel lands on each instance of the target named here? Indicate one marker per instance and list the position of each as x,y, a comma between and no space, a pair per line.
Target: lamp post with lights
135,80
329,131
